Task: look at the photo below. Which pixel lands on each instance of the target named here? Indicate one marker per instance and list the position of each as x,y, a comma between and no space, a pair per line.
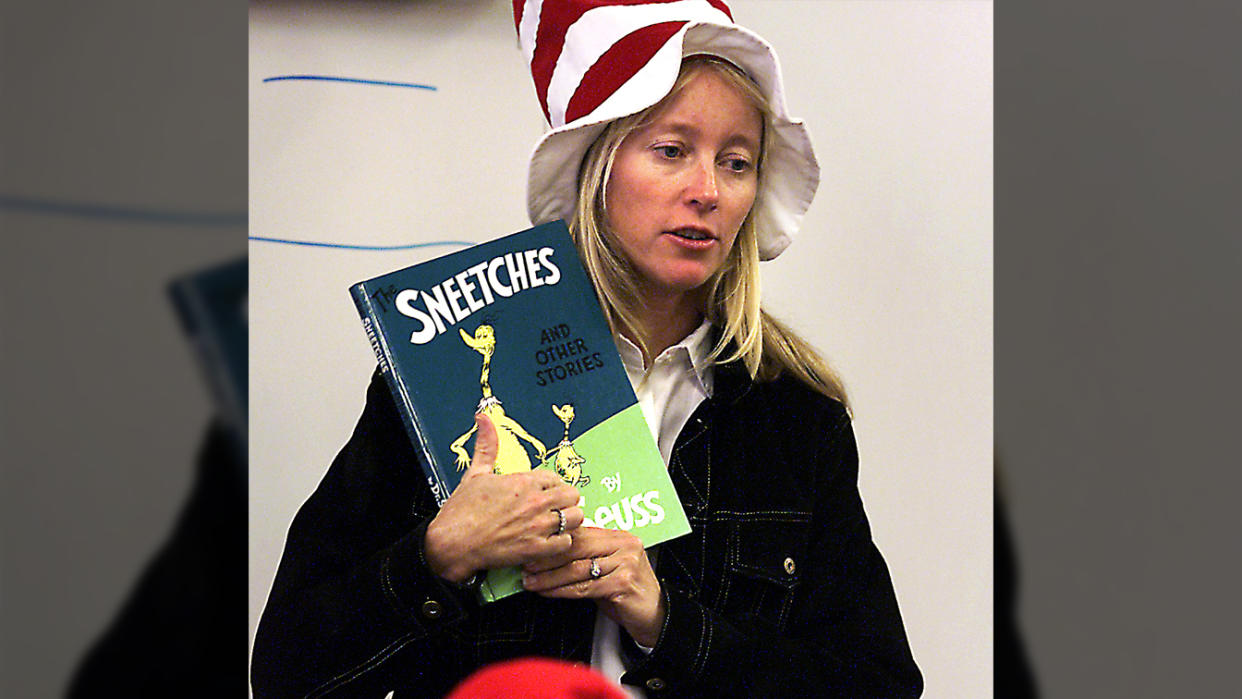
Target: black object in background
182,632
1012,671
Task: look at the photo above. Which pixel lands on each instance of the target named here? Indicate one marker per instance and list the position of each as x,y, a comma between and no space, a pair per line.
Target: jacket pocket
507,620
762,565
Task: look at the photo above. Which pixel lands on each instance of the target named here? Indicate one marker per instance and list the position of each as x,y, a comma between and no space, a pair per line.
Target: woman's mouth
691,234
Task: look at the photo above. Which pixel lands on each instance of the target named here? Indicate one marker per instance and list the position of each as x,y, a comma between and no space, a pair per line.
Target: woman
678,170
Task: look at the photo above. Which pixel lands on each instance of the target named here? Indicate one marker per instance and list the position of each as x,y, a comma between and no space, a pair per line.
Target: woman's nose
701,190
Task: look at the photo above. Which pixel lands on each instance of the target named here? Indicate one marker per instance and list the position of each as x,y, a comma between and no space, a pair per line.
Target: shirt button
432,609
655,684
789,566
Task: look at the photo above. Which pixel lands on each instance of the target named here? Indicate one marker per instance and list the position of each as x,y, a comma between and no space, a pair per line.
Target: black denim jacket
777,592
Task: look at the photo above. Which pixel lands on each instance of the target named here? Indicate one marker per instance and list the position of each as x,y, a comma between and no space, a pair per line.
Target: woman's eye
669,151
737,164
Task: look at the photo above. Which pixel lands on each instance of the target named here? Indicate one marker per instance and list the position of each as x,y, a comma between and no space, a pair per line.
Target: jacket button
789,566
655,684
432,609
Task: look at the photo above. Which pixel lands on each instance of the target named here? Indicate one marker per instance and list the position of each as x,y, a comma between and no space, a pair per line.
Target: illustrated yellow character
511,456
568,462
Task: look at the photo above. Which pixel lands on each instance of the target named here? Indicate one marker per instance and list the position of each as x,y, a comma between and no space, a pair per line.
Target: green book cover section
511,328
634,496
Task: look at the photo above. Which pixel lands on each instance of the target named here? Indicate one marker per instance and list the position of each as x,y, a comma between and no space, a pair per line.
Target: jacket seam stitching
790,516
362,668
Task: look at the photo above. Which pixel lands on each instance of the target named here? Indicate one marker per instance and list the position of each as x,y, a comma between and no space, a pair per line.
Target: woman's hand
493,521
626,588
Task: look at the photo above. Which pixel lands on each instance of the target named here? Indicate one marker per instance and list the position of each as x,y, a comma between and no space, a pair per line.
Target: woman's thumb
486,444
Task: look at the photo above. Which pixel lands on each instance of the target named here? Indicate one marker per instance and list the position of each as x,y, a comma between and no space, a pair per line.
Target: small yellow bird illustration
568,462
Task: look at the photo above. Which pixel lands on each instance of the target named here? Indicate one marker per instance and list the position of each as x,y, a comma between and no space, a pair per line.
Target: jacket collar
731,380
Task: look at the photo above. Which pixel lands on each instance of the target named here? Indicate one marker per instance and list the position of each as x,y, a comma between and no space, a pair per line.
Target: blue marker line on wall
361,81
343,246
120,213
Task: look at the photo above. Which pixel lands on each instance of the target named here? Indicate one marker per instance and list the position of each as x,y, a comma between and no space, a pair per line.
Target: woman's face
682,185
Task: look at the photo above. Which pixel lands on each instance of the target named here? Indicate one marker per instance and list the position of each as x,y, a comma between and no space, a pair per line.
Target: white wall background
891,276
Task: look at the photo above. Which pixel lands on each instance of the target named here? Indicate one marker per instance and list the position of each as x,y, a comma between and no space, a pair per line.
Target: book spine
400,392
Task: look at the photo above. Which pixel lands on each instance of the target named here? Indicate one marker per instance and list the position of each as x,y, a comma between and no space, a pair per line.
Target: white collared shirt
677,381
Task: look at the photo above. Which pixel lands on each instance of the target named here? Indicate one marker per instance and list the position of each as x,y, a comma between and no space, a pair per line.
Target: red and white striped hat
594,61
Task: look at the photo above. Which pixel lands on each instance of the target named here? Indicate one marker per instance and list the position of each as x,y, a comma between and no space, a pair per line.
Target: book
512,328
210,305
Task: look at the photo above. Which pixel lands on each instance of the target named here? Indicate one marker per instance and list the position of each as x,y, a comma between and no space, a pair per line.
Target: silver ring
595,571
560,524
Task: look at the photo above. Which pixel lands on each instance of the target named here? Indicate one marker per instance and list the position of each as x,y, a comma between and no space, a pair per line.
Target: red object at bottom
537,678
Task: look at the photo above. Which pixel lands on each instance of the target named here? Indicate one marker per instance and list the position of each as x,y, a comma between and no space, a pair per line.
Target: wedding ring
595,571
560,524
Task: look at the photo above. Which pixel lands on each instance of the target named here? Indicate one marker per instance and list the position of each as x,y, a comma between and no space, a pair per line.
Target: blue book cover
211,307
512,328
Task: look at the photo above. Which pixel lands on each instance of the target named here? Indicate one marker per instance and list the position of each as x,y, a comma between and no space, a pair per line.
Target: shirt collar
694,349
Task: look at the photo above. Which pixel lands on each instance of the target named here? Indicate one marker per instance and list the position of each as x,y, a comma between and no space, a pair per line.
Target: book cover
512,328
211,307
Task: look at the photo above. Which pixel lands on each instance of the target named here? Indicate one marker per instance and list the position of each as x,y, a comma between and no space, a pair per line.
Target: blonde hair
748,334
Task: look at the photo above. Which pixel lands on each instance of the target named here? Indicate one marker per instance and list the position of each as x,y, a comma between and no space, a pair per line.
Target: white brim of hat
790,170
